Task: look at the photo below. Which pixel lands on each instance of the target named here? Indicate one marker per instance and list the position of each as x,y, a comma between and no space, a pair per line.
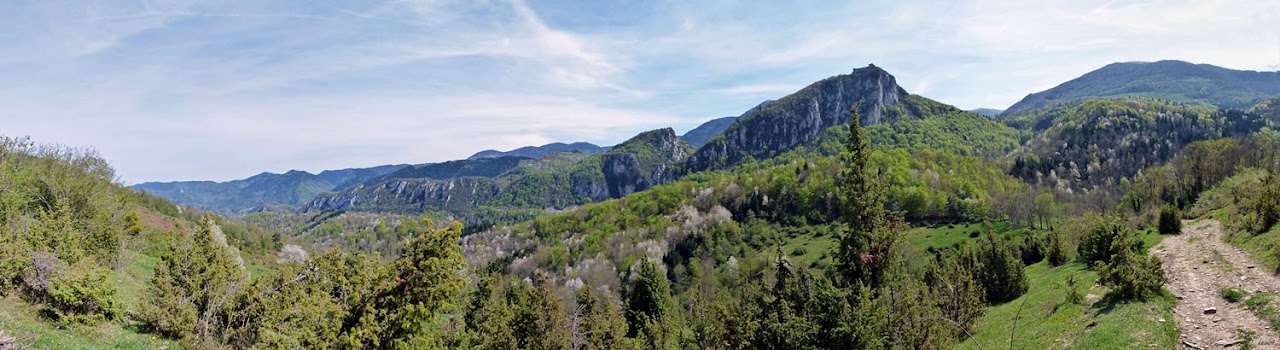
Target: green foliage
1101,240
650,307
1057,248
489,316
83,294
1232,294
421,283
1096,142
1073,295
599,324
193,285
1129,272
941,127
539,317
867,244
958,294
997,268
1170,221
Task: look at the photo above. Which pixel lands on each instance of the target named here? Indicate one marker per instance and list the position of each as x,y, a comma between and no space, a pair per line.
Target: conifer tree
489,316
193,284
650,307
866,247
601,326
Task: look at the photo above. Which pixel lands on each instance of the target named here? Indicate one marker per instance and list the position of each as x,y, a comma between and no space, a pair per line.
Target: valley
848,214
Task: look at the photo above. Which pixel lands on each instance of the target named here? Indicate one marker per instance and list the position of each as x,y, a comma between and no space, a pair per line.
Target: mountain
801,117
523,188
292,188
1094,142
541,151
1170,80
345,177
482,167
644,161
701,134
239,196
987,112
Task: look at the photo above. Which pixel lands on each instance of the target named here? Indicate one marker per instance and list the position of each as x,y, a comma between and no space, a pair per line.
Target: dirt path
1197,265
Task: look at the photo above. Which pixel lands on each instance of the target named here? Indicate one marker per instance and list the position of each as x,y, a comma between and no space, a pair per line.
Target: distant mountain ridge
1177,81
541,151
557,181
242,196
700,135
987,112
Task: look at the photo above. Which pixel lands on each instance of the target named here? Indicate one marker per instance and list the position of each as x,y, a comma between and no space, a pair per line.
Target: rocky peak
648,159
800,117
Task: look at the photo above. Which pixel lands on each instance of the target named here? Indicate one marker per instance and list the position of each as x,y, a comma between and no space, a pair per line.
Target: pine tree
540,321
650,307
600,325
193,285
866,248
997,268
489,316
422,283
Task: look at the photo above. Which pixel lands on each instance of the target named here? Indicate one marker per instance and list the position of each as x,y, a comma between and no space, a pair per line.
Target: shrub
997,268
1057,249
1170,221
1097,245
1073,291
1232,294
799,251
1130,274
1031,249
83,294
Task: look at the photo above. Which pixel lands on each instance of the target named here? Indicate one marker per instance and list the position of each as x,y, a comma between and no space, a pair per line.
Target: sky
225,89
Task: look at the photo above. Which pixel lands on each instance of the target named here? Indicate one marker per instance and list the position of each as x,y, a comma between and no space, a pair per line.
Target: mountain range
1176,81
560,175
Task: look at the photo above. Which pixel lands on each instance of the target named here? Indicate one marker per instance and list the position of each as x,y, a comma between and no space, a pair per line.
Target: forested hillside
1199,84
804,224
1096,142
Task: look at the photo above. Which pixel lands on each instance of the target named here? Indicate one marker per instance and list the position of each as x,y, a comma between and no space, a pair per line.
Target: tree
489,316
997,268
1045,209
193,284
600,325
956,292
1097,243
419,285
650,307
866,246
1170,221
1131,274
540,322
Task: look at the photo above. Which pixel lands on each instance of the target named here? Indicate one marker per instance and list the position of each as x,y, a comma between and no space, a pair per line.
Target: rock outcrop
644,161
778,126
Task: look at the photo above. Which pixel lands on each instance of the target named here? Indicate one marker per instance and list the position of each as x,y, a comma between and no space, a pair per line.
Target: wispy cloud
195,89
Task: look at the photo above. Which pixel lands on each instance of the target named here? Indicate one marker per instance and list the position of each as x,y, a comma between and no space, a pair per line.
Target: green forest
876,237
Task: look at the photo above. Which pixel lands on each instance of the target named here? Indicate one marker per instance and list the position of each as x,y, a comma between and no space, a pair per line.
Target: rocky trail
1197,265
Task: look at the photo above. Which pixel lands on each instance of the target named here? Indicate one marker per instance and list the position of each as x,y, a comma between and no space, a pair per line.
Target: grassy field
32,329
1042,319
942,236
24,321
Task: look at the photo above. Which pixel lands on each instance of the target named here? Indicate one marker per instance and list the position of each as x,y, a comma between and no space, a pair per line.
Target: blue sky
186,90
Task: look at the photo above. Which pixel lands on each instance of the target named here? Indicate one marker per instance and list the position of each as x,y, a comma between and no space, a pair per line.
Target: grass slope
1041,319
23,320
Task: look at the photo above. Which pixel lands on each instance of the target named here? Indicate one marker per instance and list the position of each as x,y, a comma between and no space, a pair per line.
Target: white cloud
224,89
